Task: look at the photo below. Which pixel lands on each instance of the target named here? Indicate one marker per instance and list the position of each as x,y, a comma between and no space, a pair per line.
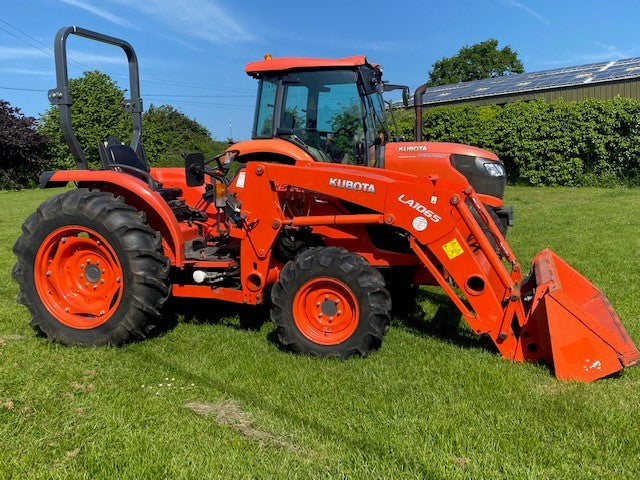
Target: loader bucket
577,330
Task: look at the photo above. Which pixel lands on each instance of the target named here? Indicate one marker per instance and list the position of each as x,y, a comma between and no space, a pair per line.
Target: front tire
330,302
90,270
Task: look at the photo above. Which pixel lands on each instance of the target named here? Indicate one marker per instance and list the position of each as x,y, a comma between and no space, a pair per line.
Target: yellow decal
452,249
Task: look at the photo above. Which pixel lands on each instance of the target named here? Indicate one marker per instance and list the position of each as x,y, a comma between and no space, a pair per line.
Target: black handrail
61,95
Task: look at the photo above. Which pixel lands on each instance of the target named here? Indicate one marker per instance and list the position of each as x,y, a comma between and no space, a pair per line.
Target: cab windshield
324,112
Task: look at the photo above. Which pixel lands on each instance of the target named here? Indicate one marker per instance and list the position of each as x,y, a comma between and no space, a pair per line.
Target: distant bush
23,151
590,142
168,133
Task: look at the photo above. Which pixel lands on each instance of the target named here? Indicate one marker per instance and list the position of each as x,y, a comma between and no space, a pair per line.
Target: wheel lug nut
317,304
82,265
118,280
101,312
81,275
330,319
86,285
102,280
102,270
63,240
339,312
97,262
95,287
326,297
48,274
320,315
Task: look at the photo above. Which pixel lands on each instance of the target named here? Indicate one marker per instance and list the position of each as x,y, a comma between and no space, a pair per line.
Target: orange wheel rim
78,277
325,310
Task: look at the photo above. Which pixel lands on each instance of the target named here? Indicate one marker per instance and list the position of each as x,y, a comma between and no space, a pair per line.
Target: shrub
589,142
23,151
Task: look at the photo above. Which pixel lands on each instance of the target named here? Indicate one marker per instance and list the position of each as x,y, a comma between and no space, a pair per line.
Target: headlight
494,169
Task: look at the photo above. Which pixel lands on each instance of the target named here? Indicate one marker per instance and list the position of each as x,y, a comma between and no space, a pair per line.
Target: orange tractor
314,238
332,111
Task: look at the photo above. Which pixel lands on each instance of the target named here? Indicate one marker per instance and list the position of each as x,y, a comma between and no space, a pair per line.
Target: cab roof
301,63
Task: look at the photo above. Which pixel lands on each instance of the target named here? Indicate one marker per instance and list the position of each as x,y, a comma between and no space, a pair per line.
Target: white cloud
25,71
201,19
528,10
18,53
376,46
85,57
606,53
100,12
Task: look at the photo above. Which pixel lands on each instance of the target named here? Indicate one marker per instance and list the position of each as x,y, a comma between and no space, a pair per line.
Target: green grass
433,402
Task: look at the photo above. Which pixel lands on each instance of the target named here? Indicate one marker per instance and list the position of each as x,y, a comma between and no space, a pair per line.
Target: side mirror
388,87
194,169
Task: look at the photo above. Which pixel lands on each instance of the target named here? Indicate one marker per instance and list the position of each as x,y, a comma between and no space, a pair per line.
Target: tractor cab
332,109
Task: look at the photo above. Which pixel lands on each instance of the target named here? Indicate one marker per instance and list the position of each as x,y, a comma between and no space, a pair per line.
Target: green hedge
591,142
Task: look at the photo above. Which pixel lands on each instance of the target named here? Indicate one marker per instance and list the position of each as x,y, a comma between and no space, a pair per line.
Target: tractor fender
135,193
272,146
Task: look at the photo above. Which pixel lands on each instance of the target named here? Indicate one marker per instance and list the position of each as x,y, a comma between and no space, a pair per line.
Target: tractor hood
482,169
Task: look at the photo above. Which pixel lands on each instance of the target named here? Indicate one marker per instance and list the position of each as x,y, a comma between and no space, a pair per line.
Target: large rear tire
91,271
330,302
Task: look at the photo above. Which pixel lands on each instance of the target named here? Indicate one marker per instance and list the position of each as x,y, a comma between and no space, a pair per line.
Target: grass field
218,401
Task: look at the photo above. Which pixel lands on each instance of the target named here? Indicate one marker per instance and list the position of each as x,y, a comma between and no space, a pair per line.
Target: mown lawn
218,401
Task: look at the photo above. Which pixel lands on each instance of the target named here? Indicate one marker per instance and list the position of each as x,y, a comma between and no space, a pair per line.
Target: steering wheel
348,129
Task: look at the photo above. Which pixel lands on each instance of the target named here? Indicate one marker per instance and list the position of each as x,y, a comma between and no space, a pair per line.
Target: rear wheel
329,302
90,270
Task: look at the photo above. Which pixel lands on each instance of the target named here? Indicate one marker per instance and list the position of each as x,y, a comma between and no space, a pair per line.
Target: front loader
96,265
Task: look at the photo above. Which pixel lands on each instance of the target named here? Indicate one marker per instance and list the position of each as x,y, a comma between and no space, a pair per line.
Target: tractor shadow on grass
445,324
214,312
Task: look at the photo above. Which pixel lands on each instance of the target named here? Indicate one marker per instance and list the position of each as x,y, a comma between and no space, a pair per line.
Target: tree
96,113
168,133
23,151
475,62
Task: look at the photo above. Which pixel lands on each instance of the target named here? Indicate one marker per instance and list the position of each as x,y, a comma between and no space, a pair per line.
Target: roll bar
61,95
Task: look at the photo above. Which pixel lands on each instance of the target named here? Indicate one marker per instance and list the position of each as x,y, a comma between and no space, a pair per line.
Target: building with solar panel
604,80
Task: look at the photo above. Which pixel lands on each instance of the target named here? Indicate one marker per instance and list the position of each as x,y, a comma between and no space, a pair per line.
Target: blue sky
193,52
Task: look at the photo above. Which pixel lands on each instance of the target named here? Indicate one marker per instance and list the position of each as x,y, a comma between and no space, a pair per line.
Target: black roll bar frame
61,95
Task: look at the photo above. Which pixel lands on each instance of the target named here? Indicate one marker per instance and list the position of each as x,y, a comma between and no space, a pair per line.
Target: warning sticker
419,223
452,249
241,179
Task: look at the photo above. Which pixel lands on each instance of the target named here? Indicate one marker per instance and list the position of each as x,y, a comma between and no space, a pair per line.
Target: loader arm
439,216
432,211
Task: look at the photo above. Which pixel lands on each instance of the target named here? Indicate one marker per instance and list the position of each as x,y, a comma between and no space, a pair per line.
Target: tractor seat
115,155
114,152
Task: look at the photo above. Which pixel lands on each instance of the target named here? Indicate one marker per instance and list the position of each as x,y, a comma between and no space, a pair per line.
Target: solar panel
529,82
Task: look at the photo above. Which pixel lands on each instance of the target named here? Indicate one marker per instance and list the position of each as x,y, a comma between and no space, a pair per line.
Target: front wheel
330,302
90,270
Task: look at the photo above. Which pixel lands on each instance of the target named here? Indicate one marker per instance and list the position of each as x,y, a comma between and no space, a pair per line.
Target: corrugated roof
581,75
